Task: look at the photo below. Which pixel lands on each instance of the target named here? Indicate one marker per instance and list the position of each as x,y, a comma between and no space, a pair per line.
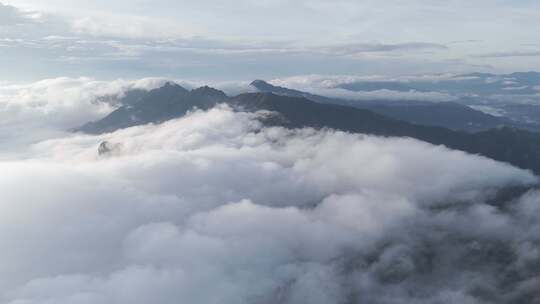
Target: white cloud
214,208
329,86
11,16
533,53
519,88
31,112
36,111
139,28
195,40
490,110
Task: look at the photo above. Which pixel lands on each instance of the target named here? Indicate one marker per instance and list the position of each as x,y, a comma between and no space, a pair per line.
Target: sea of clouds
216,208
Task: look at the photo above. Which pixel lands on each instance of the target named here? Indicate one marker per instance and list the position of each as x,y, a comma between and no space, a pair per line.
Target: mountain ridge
450,115
158,105
514,146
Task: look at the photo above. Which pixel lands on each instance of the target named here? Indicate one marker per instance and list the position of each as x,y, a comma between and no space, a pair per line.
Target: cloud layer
243,40
329,85
47,108
215,208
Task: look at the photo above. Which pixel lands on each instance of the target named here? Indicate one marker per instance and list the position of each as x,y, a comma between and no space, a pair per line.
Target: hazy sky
242,39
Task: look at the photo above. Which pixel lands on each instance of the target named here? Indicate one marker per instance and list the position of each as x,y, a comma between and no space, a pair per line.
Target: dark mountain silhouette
450,115
517,147
158,105
264,87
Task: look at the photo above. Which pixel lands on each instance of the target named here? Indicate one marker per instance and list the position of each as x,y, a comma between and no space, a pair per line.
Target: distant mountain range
511,145
450,115
515,146
492,93
480,84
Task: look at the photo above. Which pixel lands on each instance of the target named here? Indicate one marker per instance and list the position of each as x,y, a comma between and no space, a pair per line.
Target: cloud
193,39
333,81
330,86
509,54
148,33
490,110
140,28
216,208
357,49
10,16
101,46
465,41
35,111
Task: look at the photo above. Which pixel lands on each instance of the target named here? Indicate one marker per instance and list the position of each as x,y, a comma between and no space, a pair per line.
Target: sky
233,40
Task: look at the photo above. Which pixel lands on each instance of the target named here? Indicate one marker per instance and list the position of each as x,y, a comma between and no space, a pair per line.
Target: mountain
522,112
477,84
158,105
445,114
299,112
450,115
264,87
517,147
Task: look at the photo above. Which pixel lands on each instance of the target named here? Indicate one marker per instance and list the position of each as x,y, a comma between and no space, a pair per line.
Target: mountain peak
208,92
261,85
171,86
167,102
265,87
258,81
205,89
